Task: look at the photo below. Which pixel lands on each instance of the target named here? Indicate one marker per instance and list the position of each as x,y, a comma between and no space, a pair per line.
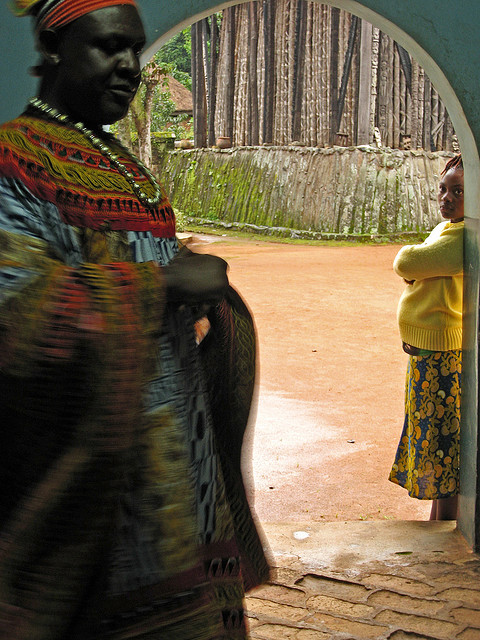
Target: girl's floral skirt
427,459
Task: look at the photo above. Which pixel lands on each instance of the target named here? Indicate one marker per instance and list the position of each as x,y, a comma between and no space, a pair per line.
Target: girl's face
450,195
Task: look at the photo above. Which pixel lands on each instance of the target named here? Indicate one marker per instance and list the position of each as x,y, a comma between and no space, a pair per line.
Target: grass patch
282,235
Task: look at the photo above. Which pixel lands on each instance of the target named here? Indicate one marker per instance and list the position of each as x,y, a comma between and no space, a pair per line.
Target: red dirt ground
330,387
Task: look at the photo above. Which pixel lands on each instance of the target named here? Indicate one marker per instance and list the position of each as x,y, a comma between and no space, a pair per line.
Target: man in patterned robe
124,513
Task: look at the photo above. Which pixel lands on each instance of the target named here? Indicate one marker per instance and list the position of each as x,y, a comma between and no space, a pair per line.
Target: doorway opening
471,164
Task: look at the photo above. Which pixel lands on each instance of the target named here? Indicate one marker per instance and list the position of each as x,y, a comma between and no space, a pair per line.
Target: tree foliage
152,108
176,53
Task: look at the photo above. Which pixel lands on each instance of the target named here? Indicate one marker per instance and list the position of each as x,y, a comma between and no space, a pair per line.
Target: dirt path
332,371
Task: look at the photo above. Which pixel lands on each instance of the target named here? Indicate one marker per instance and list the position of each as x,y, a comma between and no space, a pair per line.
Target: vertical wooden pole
204,35
200,102
269,44
193,38
334,47
213,78
414,109
420,105
436,126
385,101
364,82
229,15
347,65
299,66
427,115
396,101
253,124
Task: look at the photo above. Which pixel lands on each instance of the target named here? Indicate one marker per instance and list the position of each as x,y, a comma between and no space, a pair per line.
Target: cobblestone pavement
425,588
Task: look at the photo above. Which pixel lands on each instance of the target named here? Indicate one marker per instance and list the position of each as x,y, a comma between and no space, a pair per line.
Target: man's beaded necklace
102,146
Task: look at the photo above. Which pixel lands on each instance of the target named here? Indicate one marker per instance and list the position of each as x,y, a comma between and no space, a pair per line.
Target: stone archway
431,33
374,11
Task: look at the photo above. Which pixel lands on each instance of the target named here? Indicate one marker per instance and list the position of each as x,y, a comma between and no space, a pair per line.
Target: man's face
98,72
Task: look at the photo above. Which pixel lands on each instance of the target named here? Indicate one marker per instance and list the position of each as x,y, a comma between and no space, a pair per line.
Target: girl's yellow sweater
430,309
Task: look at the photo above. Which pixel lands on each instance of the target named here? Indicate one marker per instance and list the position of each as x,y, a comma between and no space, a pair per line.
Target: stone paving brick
339,607
252,622
281,632
429,596
352,627
284,575
418,624
331,586
310,634
279,593
466,596
272,610
398,583
466,616
456,578
464,574
274,632
401,602
469,634
432,571
405,635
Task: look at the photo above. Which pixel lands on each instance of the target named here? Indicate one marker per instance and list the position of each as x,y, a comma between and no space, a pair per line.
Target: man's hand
195,278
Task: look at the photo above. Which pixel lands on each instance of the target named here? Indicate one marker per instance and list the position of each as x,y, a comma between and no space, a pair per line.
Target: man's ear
49,46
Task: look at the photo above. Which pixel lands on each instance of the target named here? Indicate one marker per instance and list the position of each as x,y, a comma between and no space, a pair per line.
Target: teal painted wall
434,26
444,36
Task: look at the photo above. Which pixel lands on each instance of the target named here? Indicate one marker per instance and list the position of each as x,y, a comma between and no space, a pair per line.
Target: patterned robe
124,513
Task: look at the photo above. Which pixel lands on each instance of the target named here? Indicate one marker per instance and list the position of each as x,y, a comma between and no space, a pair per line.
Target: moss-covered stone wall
339,190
